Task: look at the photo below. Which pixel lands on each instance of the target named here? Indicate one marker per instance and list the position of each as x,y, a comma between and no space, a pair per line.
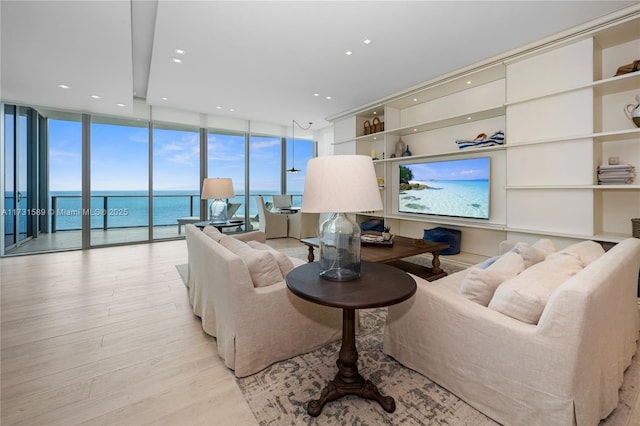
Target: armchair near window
304,225
274,225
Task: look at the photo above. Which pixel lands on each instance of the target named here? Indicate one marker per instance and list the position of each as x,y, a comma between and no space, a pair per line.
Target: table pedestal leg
310,256
435,263
348,381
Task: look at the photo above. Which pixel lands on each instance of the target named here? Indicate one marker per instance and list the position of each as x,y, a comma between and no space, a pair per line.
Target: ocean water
130,208
464,198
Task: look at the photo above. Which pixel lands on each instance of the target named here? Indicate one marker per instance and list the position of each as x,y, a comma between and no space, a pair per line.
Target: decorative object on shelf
633,111
386,233
380,181
628,68
482,140
407,152
293,144
374,155
635,227
368,129
378,126
399,148
340,184
217,189
616,174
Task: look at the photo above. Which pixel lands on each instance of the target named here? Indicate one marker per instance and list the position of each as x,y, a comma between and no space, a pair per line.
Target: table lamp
217,189
340,184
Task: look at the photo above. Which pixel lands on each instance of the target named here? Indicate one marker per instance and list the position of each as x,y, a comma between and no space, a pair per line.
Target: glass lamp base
218,211
339,248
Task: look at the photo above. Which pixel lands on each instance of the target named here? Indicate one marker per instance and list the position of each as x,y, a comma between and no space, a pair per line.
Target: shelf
609,237
429,125
451,221
602,87
611,136
600,187
444,154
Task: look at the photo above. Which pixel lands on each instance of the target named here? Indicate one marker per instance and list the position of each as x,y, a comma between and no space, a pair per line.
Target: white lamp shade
215,188
341,184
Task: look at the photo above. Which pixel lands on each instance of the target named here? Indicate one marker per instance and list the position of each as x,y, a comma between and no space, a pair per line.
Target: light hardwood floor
107,336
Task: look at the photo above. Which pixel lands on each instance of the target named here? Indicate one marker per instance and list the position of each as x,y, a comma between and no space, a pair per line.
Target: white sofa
565,368
238,290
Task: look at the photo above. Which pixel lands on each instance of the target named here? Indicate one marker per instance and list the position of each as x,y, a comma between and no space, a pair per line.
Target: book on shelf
616,174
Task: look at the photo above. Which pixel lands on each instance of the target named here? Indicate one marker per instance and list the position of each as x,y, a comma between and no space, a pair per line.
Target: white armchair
304,225
274,225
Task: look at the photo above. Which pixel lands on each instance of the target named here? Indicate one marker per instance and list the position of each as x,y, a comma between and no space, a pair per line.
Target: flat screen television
457,188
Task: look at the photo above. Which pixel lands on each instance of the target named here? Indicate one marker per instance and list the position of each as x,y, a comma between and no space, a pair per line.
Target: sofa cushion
524,296
479,284
284,263
213,232
263,267
586,251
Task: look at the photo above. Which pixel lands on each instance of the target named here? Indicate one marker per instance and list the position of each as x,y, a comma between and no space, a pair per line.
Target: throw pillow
284,263
480,284
545,245
524,297
213,232
263,267
586,251
529,253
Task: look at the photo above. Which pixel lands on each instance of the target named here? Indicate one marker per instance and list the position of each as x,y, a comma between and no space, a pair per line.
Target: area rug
278,395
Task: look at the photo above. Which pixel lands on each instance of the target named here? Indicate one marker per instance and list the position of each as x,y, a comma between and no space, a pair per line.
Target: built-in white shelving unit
561,108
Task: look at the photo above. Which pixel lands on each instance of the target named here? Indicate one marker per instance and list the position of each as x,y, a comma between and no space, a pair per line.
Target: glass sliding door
65,181
176,179
9,166
119,181
226,158
22,209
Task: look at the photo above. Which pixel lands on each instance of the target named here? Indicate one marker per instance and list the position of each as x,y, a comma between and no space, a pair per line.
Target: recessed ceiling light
468,118
164,98
120,105
327,97
415,99
180,51
218,107
177,60
415,130
64,86
316,94
232,109
375,112
95,96
348,53
469,82
366,41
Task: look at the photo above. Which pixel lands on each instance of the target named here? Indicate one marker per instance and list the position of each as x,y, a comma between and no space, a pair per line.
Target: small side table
379,285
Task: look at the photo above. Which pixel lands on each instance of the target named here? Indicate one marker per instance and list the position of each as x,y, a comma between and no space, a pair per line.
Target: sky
119,159
465,169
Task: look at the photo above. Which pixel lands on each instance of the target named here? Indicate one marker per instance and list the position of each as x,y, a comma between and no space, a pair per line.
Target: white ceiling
265,59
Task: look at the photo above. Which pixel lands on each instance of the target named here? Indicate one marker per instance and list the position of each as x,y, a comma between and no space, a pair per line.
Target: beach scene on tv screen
457,188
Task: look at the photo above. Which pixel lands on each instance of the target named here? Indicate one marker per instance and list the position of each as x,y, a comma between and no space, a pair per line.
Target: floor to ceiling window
46,155
299,151
119,181
65,182
176,178
23,208
226,158
265,171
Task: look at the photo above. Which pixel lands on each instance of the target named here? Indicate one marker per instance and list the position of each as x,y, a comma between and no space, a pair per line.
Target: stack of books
619,174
